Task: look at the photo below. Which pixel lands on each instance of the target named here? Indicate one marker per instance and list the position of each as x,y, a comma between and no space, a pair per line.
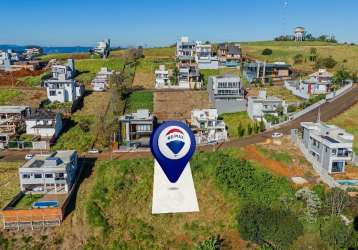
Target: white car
93,151
277,135
29,157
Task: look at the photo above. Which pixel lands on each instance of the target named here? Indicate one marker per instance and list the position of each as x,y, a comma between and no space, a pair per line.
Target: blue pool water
348,182
45,204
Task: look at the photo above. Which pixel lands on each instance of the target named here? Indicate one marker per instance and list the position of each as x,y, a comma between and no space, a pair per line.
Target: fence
35,145
339,91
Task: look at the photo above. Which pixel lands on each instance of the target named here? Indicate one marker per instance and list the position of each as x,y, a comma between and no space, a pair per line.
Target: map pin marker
172,145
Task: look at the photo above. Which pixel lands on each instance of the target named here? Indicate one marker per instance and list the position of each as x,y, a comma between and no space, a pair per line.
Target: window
49,176
38,176
337,166
26,176
52,93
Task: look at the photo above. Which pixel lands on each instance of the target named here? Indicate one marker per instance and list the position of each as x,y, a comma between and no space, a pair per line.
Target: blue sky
162,22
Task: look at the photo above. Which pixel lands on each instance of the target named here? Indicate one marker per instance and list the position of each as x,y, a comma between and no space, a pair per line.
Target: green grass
282,157
123,185
27,200
232,121
33,81
7,95
286,50
160,52
349,121
88,68
64,56
282,93
9,181
140,100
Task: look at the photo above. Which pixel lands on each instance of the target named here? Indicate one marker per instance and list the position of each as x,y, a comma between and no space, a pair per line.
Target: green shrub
267,52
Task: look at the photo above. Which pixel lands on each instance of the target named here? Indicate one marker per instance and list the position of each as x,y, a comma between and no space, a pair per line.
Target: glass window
38,176
49,176
52,93
26,176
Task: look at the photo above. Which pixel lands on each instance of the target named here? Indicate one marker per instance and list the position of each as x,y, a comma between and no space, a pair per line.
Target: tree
335,232
298,59
336,201
267,52
326,62
309,241
340,76
313,202
249,129
262,126
264,225
213,243
240,130
313,54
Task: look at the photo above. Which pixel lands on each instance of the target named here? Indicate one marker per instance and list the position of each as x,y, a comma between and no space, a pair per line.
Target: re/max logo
175,136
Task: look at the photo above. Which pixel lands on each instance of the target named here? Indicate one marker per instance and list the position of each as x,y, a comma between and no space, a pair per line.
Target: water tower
299,33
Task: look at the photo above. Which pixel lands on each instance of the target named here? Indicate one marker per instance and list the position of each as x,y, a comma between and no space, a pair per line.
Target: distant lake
49,50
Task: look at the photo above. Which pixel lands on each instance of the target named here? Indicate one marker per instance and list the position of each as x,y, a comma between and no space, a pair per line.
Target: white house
62,87
318,83
261,105
185,50
44,123
50,173
206,126
162,79
101,81
204,56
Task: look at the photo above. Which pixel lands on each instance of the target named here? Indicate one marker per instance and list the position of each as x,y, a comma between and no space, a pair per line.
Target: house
319,82
260,106
135,129
189,77
162,78
204,56
262,71
229,54
206,126
227,93
7,58
12,119
44,123
62,87
31,53
329,145
50,173
185,50
101,81
103,48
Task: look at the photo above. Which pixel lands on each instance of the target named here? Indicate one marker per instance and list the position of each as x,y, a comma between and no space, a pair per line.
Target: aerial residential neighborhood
254,106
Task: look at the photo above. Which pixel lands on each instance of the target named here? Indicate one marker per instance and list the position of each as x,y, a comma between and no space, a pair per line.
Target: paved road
328,111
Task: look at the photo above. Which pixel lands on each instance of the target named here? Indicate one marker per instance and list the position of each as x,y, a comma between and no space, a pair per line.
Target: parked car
29,156
93,151
277,135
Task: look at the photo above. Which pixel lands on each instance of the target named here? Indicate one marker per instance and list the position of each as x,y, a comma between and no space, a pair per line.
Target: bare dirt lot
177,105
11,78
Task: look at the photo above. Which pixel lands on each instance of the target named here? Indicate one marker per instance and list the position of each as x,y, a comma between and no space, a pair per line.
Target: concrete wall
230,105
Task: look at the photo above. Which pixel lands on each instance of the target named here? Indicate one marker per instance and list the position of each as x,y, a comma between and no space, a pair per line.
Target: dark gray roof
41,114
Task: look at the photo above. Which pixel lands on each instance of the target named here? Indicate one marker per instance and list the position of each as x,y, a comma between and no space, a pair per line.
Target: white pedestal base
176,197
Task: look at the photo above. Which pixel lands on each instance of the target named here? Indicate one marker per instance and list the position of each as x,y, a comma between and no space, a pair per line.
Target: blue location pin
172,145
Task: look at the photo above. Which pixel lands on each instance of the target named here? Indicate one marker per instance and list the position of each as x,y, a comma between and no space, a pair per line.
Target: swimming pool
348,182
45,204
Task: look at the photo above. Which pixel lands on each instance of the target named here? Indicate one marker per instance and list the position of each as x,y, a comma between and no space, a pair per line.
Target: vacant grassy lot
9,181
349,121
177,105
65,56
144,74
140,100
88,68
232,121
346,55
7,95
278,91
160,52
